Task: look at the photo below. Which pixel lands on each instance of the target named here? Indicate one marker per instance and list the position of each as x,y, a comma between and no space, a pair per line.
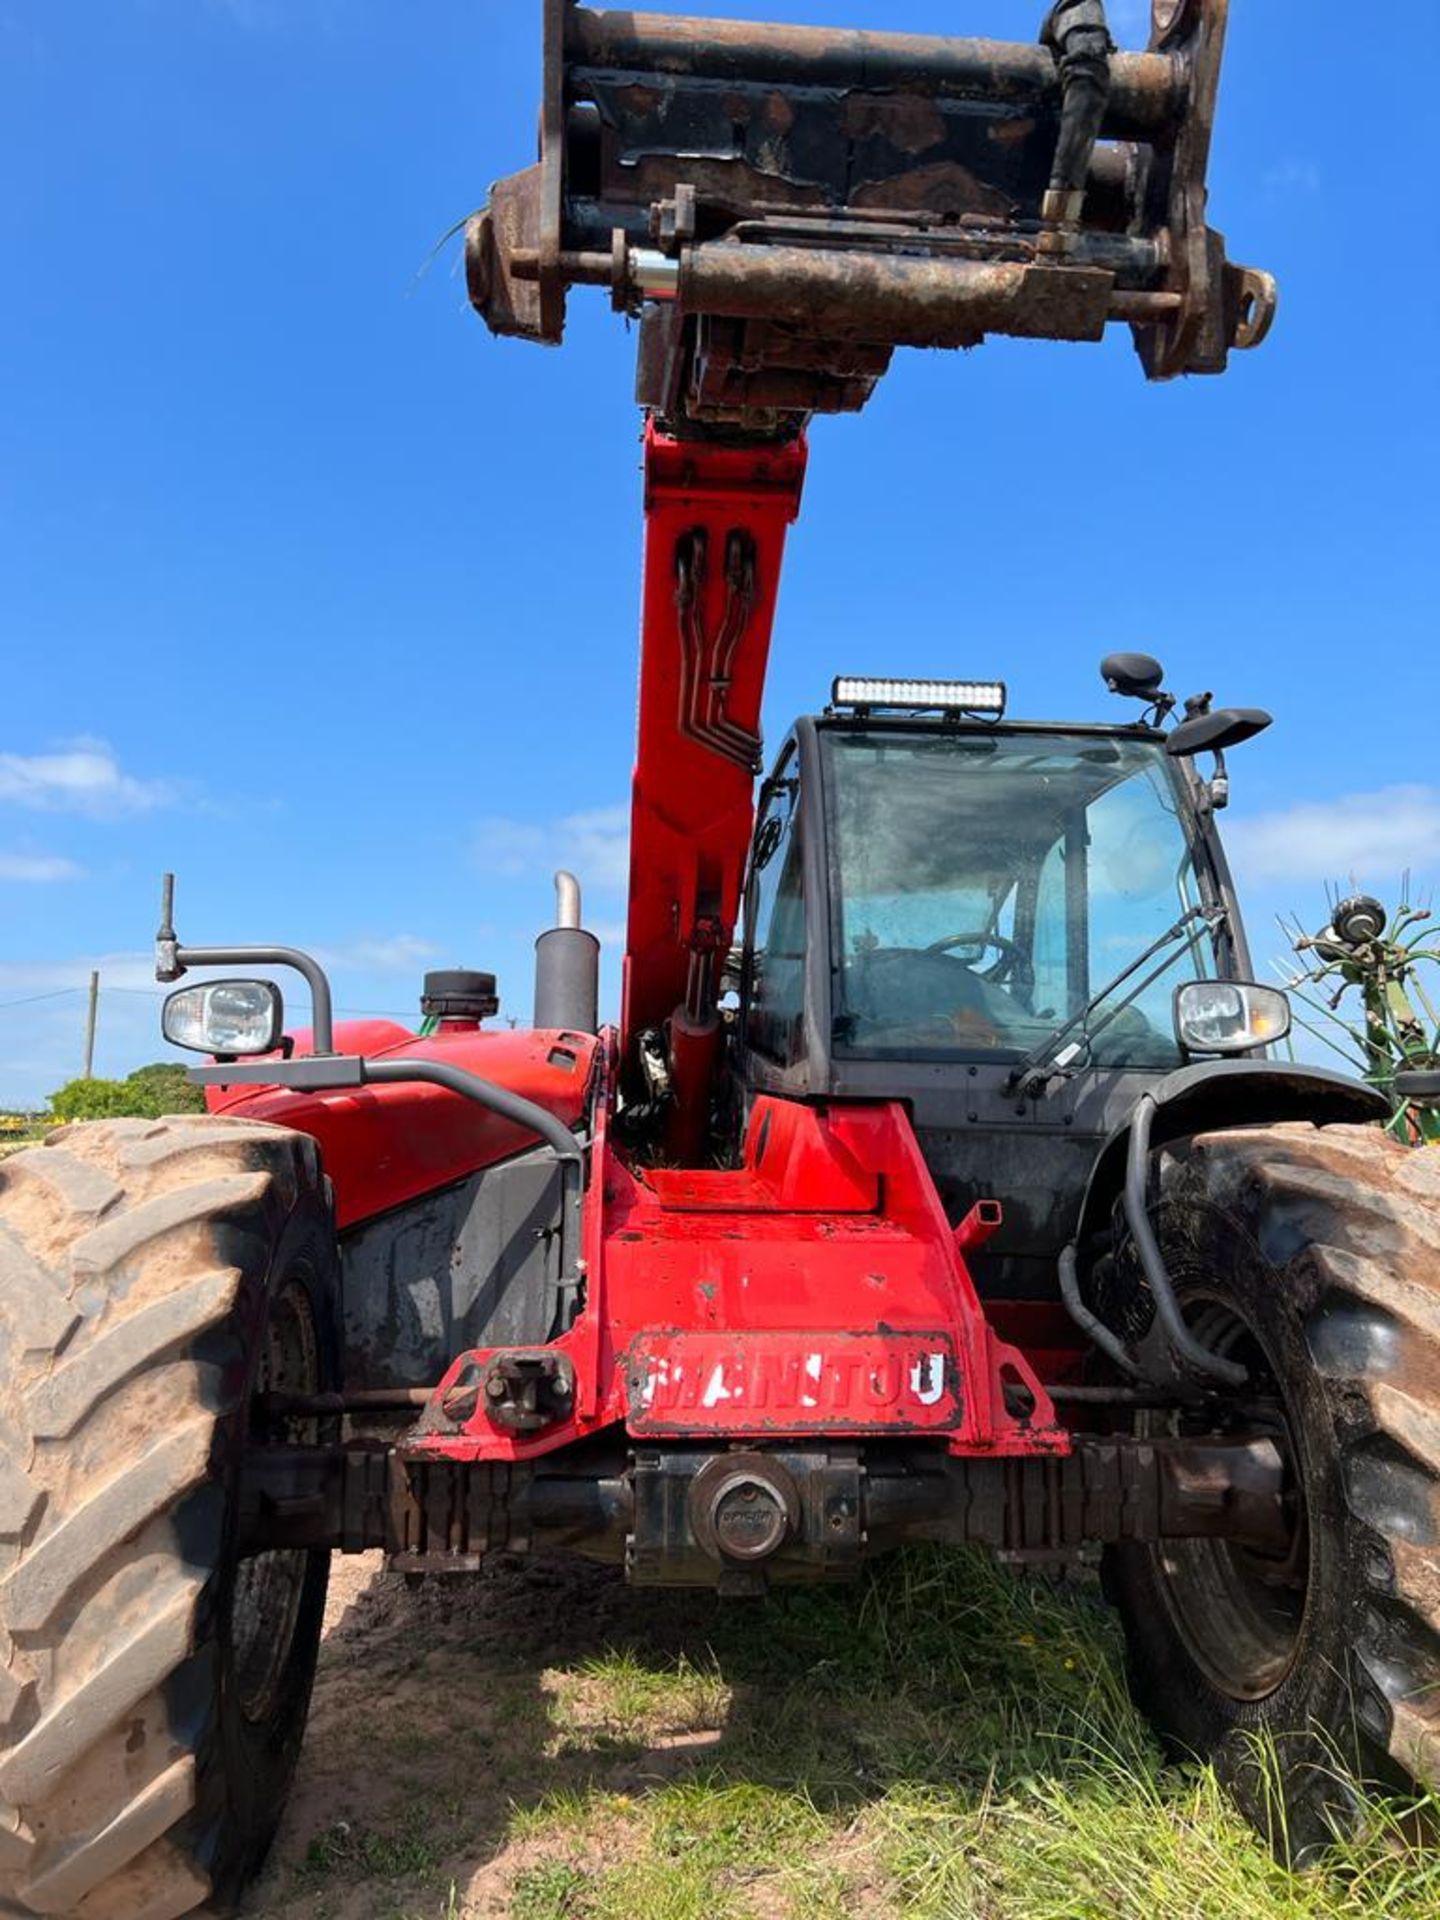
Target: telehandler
962,1199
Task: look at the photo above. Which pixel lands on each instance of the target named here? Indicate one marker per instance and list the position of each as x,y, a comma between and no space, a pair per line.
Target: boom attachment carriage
783,206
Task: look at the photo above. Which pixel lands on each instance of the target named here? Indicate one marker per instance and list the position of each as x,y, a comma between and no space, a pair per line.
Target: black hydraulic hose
1078,35
1090,1324
325,1073
1137,1218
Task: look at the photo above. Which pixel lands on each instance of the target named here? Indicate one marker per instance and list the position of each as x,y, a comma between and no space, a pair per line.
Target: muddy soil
439,1712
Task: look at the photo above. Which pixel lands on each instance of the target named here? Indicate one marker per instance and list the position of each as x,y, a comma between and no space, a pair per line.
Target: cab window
987,885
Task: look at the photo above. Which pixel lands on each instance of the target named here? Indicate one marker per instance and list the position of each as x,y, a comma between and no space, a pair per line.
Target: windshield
987,886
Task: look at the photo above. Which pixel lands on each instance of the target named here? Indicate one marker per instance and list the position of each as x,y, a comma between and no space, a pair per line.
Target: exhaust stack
567,967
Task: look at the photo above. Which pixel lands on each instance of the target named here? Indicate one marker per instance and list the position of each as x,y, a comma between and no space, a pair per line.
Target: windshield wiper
1050,1056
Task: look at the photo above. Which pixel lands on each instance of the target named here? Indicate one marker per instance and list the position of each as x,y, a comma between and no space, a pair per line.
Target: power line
58,993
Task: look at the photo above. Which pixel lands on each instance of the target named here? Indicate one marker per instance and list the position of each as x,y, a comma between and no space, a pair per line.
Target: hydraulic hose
1089,1323
1078,35
1137,1217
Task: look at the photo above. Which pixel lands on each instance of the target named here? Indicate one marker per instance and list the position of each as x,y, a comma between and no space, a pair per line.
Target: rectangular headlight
225,1017
919,696
1229,1016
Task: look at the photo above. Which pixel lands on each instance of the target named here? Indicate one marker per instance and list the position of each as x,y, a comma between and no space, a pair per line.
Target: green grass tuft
554,1891
372,1852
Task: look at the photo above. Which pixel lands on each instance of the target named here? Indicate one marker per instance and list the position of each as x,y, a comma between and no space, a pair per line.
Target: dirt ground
447,1708
941,1741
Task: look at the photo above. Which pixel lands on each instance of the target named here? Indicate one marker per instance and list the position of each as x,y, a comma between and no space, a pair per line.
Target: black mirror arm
322,1010
1214,793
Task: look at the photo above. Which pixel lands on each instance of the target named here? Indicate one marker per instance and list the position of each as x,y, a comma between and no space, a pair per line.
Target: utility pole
90,1024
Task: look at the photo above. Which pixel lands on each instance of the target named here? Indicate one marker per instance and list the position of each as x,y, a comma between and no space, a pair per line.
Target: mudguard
1215,1094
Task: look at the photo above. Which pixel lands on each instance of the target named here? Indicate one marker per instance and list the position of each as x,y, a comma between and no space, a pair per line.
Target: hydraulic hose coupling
1077,34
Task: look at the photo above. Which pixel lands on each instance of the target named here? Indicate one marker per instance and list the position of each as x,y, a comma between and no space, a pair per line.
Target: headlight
1229,1016
225,1016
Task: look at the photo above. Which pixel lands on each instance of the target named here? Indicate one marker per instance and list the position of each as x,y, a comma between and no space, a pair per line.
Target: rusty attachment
1251,299
460,1402
784,206
524,1392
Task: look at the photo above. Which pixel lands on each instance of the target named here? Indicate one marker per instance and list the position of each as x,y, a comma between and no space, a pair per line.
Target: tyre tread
112,1266
1372,1212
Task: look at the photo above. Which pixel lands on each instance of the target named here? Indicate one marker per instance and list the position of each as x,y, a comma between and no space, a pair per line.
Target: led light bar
919,696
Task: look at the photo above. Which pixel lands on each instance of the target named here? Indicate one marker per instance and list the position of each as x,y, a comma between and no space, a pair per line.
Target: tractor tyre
1312,1255
154,1276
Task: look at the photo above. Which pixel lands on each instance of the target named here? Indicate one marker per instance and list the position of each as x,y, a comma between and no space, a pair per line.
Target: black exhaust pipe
567,967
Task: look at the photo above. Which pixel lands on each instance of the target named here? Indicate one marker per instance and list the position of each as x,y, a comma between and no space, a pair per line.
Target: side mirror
1135,674
228,1017
1229,1016
1214,732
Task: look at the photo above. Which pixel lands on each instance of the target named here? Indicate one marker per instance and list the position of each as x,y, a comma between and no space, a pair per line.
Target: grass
948,1742
30,1135
370,1853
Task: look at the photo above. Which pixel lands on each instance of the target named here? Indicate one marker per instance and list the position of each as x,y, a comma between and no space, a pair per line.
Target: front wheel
154,1278
1312,1256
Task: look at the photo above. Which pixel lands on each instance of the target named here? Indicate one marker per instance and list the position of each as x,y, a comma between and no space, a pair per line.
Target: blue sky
315,593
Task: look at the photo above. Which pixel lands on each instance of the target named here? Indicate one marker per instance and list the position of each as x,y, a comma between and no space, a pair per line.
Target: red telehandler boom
988,1217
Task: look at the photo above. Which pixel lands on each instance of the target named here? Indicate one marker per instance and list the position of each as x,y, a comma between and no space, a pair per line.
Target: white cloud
395,953
1291,178
594,845
37,868
1360,838
82,777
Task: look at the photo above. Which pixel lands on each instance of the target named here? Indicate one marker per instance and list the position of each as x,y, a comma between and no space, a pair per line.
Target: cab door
773,972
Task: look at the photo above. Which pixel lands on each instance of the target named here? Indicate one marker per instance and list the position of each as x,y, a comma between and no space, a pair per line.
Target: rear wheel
1312,1256
153,1687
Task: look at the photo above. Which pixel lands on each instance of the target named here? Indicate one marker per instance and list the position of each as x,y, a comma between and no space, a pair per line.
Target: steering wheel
1012,970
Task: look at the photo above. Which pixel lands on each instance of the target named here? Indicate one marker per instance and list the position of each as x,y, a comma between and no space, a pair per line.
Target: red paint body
817,1288
384,1146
